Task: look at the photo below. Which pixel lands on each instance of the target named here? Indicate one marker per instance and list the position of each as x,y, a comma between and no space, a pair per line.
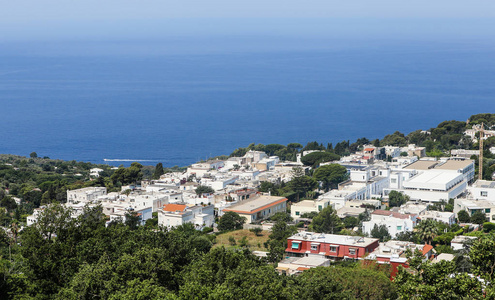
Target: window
333,249
314,247
295,245
319,208
487,210
297,213
484,193
352,251
393,180
493,217
399,227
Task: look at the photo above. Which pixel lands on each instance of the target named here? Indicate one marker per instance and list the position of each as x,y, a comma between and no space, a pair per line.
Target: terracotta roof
174,207
426,249
369,149
392,213
302,268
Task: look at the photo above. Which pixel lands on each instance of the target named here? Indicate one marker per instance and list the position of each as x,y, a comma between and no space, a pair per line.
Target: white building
482,190
173,215
439,216
307,206
85,195
95,172
394,221
434,185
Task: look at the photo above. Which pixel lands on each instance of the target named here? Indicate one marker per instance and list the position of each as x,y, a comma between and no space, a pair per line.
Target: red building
331,246
394,253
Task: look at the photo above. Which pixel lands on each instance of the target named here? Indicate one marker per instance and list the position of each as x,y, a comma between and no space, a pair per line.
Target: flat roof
422,165
435,177
484,184
336,239
255,204
455,164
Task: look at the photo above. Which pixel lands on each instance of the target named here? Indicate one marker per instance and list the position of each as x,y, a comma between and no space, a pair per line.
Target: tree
203,189
482,255
301,183
326,221
230,221
463,216
351,222
427,230
396,199
277,240
33,155
478,218
380,232
427,280
316,158
330,175
158,171
358,282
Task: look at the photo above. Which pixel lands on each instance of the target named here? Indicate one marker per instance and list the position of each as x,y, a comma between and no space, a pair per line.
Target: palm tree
427,231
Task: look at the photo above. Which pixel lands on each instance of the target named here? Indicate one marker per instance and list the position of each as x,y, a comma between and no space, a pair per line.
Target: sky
29,20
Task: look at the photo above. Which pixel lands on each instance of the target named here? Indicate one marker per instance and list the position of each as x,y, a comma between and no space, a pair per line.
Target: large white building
434,185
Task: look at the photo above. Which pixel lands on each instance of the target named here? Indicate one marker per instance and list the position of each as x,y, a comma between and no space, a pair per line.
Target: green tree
203,189
158,171
338,282
380,232
33,155
231,221
478,218
435,281
396,199
326,221
330,175
463,216
301,183
482,255
315,158
427,230
277,240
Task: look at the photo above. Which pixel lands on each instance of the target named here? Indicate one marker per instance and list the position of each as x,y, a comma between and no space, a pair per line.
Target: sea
178,101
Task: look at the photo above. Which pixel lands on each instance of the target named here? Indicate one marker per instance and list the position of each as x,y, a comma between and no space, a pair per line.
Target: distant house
259,208
85,195
173,215
394,221
330,246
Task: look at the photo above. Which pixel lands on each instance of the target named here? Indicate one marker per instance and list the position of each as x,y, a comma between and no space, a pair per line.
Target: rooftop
484,184
254,205
422,165
334,239
392,214
174,207
455,164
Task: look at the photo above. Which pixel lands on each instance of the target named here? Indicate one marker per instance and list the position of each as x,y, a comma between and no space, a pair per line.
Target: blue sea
179,101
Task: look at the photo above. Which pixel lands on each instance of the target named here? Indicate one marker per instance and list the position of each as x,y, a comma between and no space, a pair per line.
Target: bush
232,241
256,230
488,226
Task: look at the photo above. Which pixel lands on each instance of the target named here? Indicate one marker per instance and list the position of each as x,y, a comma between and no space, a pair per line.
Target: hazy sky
35,19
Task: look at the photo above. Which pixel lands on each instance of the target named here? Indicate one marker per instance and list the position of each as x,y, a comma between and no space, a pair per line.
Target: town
308,207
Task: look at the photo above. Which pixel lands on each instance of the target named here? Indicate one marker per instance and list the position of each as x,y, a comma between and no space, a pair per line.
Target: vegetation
230,221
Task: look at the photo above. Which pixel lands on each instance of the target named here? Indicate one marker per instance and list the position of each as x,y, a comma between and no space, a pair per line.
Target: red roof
174,207
302,268
369,149
392,213
426,249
